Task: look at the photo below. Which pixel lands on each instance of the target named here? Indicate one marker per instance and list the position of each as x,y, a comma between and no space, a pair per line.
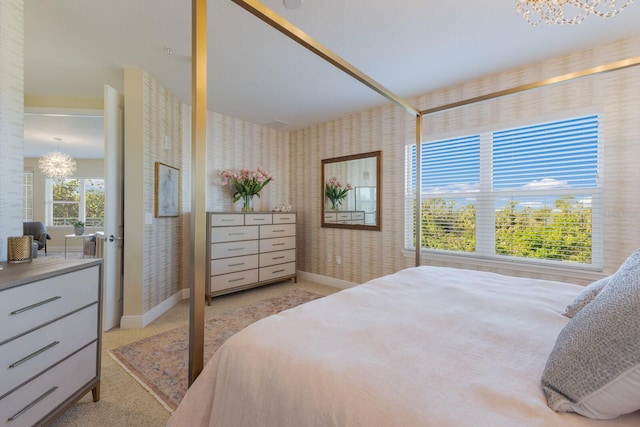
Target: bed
426,346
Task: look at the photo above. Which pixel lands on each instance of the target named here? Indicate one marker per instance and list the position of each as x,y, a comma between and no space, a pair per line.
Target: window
27,196
529,192
72,199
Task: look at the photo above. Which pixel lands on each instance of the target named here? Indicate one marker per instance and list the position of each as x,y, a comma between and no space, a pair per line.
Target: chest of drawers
50,338
249,249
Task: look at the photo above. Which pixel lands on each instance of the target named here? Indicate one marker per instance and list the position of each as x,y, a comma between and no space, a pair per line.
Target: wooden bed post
198,186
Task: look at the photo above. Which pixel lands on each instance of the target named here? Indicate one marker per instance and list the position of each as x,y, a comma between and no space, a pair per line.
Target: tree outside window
527,192
94,203
76,199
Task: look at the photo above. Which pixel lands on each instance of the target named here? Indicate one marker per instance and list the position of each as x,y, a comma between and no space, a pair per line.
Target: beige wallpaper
236,144
364,254
11,119
163,247
153,261
369,254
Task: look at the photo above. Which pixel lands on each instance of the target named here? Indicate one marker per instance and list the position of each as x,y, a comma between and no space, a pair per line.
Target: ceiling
74,47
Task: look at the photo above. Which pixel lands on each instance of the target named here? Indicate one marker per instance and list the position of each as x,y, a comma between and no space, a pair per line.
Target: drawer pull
235,249
38,304
236,280
227,220
277,257
279,231
32,404
278,244
34,354
237,264
257,219
284,218
277,271
241,233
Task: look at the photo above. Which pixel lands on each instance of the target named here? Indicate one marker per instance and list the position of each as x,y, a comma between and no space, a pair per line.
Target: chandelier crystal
567,11
57,165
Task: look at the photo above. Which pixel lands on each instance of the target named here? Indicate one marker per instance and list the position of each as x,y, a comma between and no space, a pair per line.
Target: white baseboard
140,321
325,280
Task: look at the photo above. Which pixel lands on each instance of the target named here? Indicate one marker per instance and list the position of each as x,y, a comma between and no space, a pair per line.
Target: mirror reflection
351,191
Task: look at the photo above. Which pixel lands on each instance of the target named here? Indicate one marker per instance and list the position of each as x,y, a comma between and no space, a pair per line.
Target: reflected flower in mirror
336,192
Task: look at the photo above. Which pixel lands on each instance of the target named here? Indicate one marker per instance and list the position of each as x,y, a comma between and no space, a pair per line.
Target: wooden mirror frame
378,193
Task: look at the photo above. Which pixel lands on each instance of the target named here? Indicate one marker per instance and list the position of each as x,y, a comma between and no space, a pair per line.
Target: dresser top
40,268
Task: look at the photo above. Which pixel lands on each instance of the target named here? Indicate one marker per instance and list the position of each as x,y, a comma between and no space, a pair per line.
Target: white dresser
50,339
249,249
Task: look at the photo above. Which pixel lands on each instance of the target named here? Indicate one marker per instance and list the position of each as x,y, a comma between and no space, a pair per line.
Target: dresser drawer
279,257
233,280
276,271
258,219
34,352
278,244
343,216
231,249
233,234
229,265
284,218
222,220
330,217
54,386
28,306
277,230
359,215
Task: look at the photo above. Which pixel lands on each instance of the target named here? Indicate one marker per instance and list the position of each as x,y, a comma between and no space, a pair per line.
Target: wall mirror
351,191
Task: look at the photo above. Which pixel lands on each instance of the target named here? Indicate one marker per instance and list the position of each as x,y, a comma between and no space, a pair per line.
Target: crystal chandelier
553,11
57,165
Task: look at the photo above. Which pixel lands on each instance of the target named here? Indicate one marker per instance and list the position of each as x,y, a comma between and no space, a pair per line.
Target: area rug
160,362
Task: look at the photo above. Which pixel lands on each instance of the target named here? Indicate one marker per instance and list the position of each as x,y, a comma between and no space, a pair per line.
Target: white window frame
27,194
486,198
49,182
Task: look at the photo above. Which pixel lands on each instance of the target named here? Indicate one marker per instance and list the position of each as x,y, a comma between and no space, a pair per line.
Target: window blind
556,154
525,192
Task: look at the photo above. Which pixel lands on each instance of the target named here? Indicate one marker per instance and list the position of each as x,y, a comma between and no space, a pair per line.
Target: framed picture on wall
167,191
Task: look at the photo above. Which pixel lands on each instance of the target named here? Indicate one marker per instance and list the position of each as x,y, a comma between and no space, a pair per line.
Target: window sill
571,274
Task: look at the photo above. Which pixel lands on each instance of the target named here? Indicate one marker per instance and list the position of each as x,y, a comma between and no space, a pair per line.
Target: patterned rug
160,362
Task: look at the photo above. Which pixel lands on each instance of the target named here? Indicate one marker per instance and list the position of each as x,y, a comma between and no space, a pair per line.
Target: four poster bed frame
198,223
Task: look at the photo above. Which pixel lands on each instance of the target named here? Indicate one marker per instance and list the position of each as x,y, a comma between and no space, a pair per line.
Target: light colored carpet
123,401
160,362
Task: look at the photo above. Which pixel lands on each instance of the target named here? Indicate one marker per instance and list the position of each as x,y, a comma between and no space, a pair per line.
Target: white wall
11,120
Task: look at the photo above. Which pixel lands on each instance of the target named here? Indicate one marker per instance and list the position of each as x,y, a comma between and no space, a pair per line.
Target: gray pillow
594,368
585,296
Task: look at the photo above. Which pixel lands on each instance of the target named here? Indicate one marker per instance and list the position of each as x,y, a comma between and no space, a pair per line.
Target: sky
559,155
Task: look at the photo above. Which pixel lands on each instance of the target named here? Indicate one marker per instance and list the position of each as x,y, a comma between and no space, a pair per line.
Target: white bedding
427,346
